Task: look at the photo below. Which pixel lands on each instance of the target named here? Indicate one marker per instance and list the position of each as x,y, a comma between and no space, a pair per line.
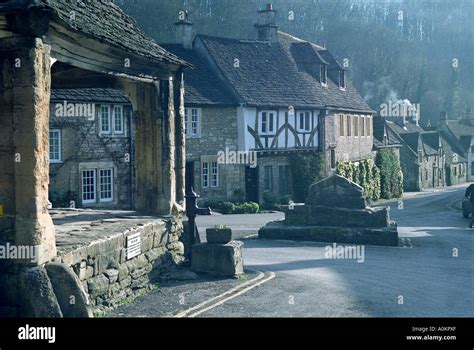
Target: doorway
251,184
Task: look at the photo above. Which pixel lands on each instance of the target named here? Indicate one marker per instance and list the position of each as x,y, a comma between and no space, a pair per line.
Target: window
304,121
267,122
333,159
118,120
341,125
215,175
106,185
349,125
342,79
356,126
205,175
426,175
55,146
362,126
420,157
368,128
105,127
268,178
88,186
192,122
284,179
472,169
323,73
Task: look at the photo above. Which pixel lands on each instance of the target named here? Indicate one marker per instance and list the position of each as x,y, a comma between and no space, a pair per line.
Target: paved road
422,280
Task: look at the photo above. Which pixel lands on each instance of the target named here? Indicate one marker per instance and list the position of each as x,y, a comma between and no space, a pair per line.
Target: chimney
267,30
184,30
443,119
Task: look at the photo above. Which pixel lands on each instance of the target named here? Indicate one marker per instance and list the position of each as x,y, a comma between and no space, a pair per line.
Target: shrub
305,171
391,175
227,208
285,200
365,173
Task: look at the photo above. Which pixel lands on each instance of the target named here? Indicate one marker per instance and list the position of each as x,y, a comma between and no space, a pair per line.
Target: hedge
391,174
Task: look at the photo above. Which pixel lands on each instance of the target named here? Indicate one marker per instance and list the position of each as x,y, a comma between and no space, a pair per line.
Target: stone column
25,83
180,138
154,145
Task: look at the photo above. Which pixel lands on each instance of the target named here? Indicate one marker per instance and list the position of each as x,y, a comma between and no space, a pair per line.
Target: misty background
420,50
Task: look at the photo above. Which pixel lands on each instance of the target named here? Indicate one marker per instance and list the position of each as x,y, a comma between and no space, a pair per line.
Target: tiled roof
463,130
380,131
450,149
102,20
88,95
271,75
202,86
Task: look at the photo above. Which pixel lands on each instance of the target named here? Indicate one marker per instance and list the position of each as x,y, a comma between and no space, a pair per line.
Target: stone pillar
180,138
169,146
154,145
25,83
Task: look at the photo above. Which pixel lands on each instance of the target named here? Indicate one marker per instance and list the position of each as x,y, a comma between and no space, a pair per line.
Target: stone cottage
460,134
91,149
251,104
421,155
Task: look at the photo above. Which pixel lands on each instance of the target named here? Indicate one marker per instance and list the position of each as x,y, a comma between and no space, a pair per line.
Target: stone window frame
268,178
94,192
362,126
323,75
112,132
205,174
214,174
307,115
267,123
342,125
368,127
114,118
188,122
97,167
99,183
356,125
101,120
342,80
59,159
348,125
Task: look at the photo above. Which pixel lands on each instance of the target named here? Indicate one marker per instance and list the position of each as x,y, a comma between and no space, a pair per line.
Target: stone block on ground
218,259
71,297
219,235
37,294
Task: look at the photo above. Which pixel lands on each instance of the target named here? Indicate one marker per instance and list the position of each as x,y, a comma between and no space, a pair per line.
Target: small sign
1,211
134,246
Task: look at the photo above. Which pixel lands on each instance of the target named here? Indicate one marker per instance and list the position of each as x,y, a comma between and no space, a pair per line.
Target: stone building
385,137
421,155
64,44
460,134
91,155
269,97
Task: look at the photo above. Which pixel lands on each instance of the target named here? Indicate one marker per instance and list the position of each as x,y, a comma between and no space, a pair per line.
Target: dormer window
342,80
323,74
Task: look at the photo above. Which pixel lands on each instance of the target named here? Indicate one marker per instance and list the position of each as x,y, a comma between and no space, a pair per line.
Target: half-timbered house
272,96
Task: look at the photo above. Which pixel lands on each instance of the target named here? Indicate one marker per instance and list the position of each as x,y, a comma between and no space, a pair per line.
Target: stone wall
83,148
108,278
347,148
218,133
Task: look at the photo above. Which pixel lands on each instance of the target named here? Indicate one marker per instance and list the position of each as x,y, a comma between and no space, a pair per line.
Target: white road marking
231,294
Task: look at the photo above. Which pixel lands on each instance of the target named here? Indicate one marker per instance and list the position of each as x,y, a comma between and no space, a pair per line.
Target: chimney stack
267,30
184,30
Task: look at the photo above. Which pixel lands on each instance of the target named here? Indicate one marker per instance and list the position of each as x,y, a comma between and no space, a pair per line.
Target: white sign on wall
134,246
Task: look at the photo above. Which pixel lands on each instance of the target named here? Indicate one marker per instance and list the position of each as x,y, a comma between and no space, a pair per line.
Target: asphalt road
431,275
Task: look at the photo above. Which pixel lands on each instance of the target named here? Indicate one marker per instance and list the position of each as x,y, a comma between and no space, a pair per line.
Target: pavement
431,273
